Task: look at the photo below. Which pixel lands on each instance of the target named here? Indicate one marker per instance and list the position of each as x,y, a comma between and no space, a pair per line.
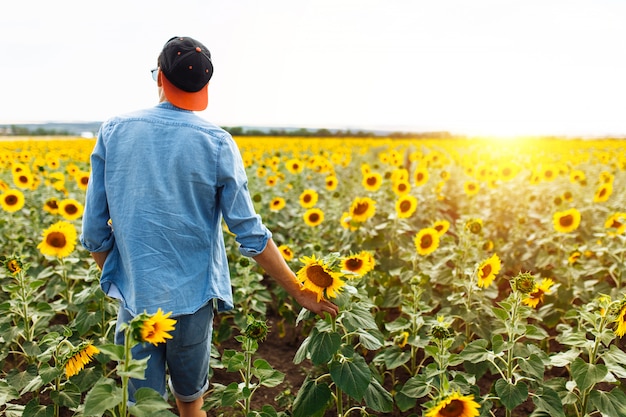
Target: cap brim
185,100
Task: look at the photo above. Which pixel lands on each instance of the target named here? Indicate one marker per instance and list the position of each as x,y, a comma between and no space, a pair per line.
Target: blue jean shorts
185,356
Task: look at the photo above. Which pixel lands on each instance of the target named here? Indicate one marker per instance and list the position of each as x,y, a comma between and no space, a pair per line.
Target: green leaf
476,351
608,403
511,395
312,399
233,360
7,393
323,346
105,395
562,359
136,368
268,376
351,375
548,400
149,403
394,357
533,366
114,352
370,340
33,409
69,396
615,360
301,353
587,375
358,318
535,332
416,387
231,395
500,313
378,398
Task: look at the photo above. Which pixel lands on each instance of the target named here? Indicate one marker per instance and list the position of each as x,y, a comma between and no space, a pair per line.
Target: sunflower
286,252
294,165
155,328
14,265
24,180
12,200
406,206
401,187
617,223
362,208
372,181
426,241
573,257
536,296
455,405
70,209
420,176
277,204
441,226
331,182
313,217
51,205
308,198
271,180
58,240
620,320
80,358
471,187
82,179
402,339
577,176
603,192
56,180
358,264
318,277
487,270
475,226
566,221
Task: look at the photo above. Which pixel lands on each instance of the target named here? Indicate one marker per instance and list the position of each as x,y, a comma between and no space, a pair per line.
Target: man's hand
308,300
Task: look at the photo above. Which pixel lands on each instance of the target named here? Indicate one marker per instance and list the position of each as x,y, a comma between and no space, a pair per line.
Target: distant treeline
52,129
331,133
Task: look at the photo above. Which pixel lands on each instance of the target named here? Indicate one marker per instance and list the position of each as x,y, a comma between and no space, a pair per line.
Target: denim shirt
165,178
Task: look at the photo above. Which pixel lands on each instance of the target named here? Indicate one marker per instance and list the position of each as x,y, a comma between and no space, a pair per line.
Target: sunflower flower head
620,319
358,264
455,405
256,329
487,270
475,226
566,221
58,240
79,358
525,282
426,241
13,265
321,276
152,328
535,297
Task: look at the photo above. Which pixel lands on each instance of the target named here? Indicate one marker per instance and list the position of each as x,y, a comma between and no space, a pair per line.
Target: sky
471,67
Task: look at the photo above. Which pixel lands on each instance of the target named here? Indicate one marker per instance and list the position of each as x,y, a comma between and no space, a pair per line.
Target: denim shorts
185,356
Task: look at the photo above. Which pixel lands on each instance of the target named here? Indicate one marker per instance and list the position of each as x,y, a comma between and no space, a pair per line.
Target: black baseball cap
187,68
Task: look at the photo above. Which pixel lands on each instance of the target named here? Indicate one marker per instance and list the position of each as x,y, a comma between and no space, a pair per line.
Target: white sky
495,67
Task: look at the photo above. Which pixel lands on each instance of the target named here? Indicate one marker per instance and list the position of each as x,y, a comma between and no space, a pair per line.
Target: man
162,180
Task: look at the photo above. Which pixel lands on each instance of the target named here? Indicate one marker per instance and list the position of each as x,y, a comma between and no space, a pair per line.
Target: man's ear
159,81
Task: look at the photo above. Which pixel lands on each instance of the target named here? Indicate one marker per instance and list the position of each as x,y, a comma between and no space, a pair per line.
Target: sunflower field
474,277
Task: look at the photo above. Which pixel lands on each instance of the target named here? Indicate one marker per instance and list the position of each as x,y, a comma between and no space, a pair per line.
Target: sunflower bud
440,332
525,283
257,330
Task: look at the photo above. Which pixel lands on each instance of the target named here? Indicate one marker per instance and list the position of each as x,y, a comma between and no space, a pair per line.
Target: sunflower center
307,198
361,208
56,240
371,181
405,206
420,177
71,209
318,276
354,264
567,220
426,241
314,217
486,270
454,409
10,200
84,180
23,179
602,192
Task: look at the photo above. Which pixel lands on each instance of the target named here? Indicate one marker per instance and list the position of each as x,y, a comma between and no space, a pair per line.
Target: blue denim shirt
166,178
